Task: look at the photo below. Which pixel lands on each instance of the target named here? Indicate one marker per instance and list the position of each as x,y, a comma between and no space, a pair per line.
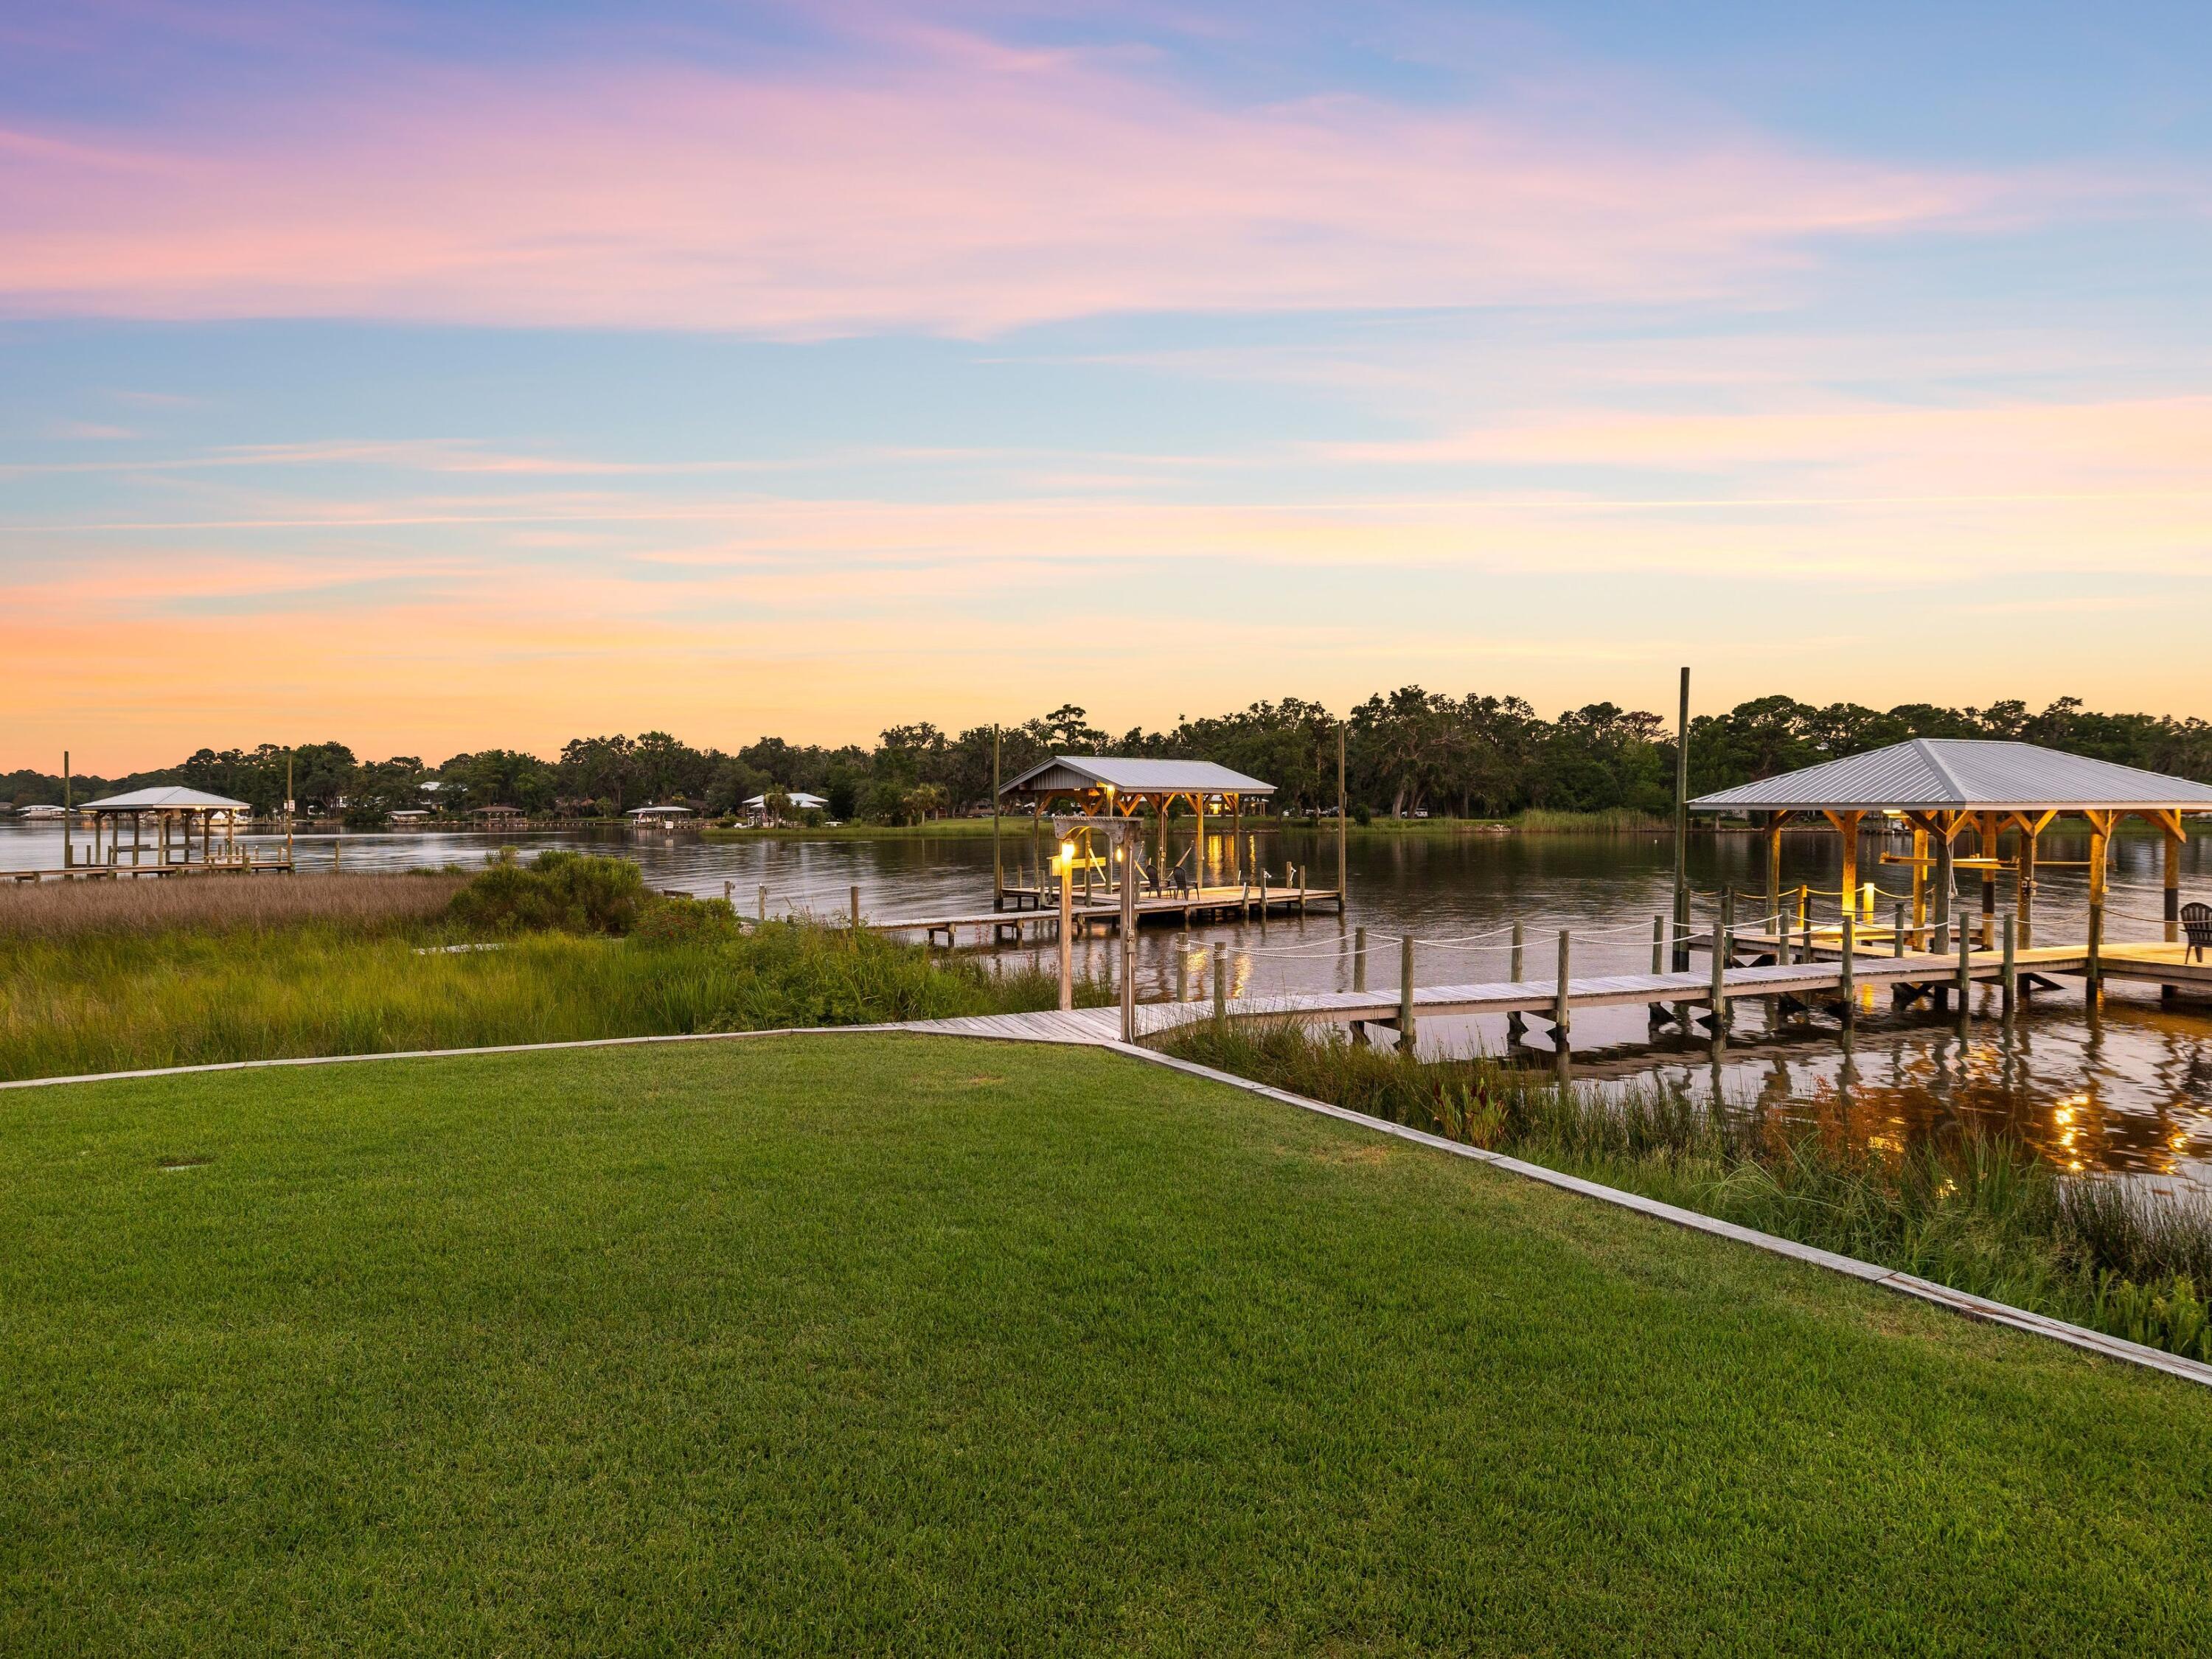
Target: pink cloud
968,191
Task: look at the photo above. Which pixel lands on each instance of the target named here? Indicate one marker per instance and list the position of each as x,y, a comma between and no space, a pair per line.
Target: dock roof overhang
1956,774
1132,778
170,799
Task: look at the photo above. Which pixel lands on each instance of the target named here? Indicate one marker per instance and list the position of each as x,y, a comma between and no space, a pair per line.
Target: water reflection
2125,1088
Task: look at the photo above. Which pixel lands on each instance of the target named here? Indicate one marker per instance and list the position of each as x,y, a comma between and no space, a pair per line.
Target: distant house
492,816
47,813
756,808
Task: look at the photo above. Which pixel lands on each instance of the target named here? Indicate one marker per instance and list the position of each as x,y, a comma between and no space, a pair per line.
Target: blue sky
434,377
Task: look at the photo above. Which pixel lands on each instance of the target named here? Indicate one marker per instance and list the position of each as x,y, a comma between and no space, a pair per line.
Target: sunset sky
436,377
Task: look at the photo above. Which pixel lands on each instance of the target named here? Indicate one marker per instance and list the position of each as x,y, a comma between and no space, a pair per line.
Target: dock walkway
1804,981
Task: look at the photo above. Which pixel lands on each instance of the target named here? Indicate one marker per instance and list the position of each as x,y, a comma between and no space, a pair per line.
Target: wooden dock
1191,909
1805,982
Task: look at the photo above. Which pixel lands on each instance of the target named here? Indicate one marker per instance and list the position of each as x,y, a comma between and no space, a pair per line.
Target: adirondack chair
2196,926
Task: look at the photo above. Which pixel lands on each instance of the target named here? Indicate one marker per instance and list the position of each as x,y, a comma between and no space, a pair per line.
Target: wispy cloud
969,190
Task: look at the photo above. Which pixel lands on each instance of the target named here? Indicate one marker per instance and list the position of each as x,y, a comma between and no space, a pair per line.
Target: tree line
1408,751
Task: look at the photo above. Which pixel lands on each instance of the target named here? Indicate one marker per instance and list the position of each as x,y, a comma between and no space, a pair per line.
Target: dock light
1067,854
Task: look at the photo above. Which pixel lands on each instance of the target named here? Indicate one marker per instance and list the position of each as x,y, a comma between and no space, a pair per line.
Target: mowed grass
895,1345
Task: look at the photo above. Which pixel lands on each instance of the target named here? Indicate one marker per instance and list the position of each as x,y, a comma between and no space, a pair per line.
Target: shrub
1363,814
559,891
674,921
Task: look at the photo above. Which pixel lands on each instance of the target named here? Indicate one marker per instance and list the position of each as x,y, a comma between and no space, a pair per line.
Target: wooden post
1343,864
1129,931
1562,1009
1943,889
289,864
2024,885
69,817
1182,974
1719,995
1658,943
1919,882
1965,969
1986,839
856,910
2100,836
1897,929
763,901
2011,963
1406,994
1221,986
2173,827
1198,847
1805,908
1847,942
1067,928
1236,839
1160,848
997,857
1359,958
1682,831
1516,1024
1848,823
1774,821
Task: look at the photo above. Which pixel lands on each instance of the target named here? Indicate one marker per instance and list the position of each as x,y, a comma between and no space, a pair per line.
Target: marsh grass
1980,1214
368,905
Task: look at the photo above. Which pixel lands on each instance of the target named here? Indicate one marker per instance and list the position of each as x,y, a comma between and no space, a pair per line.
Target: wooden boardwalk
1808,981
1187,909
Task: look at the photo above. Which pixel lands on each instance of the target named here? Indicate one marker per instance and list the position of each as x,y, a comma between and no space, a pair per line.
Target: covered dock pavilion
1948,790
178,817
1111,787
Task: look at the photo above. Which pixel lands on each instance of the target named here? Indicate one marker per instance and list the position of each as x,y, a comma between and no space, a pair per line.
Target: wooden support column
68,820
1847,939
1919,882
2171,823
997,857
1774,823
1198,847
2100,840
1562,1009
1516,1025
1236,840
1988,839
1061,863
1129,844
2024,886
1847,825
1406,994
1682,831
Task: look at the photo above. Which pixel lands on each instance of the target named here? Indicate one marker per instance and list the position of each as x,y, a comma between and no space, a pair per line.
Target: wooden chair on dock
2197,927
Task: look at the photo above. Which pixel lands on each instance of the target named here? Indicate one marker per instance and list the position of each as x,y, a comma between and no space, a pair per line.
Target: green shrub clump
672,920
557,892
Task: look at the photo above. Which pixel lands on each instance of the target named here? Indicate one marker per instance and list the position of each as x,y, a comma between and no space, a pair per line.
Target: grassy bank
99,978
1981,1216
873,1345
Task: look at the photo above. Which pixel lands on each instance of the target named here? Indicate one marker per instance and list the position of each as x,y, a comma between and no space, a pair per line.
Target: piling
1847,940
1517,1026
1359,958
1897,929
1560,1011
1658,943
2011,963
1406,994
1221,986
1966,967
856,911
1718,996
763,901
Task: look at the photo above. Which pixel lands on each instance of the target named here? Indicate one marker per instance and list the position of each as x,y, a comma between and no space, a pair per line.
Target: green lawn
883,1345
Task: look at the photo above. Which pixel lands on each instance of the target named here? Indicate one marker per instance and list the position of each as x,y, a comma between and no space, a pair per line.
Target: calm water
2128,1088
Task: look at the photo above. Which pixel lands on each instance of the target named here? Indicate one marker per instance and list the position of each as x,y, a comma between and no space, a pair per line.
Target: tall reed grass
362,904
1982,1215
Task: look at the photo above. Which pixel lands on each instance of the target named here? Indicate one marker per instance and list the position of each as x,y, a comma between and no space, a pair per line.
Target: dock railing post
1406,994
1064,864
762,900
1848,941
1719,995
1897,929
1182,974
1562,1012
1359,958
1221,987
2011,963
1658,943
856,911
1682,831
1516,1025
1966,967
1128,930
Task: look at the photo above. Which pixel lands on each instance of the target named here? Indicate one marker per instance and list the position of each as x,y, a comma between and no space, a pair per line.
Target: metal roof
1940,773
171,798
1133,775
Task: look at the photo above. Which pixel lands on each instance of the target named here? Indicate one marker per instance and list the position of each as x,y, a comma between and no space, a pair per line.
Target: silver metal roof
171,798
1939,773
1128,776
